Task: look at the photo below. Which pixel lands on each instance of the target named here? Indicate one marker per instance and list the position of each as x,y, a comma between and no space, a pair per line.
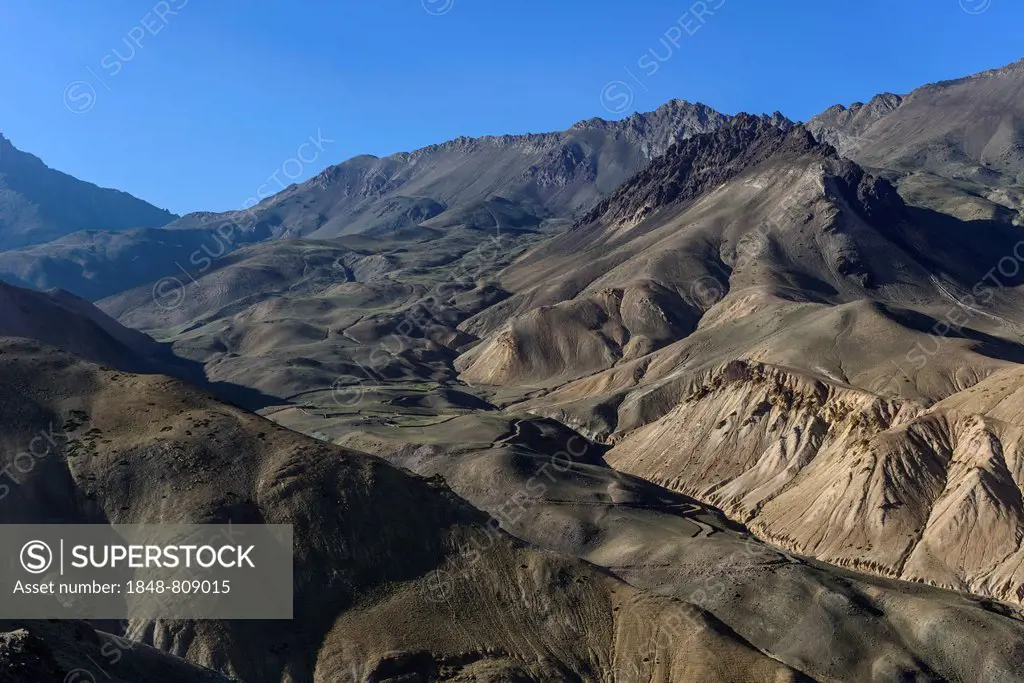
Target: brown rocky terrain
685,397
514,180
806,396
398,576
754,243
375,546
889,486
74,652
727,242
955,146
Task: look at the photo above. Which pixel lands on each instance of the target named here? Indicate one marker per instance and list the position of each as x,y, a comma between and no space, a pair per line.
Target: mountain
287,317
747,412
957,145
395,575
399,577
511,181
67,322
758,323
97,263
928,494
750,281
548,174
39,204
731,238
552,488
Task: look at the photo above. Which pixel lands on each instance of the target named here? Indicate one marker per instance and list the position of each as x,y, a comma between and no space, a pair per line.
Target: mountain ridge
542,176
955,146
622,382
39,203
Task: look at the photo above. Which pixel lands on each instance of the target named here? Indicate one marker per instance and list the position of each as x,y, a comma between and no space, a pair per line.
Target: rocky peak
873,197
842,126
702,162
673,110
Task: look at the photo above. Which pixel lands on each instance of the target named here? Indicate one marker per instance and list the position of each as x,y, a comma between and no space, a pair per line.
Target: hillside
494,183
956,146
39,204
378,551
682,397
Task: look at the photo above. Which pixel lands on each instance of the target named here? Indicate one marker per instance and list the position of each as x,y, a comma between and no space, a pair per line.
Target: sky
192,104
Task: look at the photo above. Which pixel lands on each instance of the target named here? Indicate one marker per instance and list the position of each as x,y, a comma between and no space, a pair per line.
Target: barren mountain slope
549,486
759,324
71,652
957,146
550,173
95,264
291,317
512,180
38,204
67,322
764,243
923,494
750,243
395,575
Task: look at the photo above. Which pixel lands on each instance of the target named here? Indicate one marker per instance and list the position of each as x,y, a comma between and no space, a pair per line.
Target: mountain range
682,397
39,204
490,183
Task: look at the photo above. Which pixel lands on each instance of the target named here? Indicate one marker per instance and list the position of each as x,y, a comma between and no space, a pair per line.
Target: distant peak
1009,68
696,164
1015,69
878,106
886,100
673,106
676,104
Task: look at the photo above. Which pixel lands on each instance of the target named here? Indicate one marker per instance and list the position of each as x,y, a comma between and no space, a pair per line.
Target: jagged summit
882,103
672,108
676,119
556,174
697,164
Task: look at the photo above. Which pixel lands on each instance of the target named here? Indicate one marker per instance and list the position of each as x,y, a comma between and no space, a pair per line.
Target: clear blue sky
225,91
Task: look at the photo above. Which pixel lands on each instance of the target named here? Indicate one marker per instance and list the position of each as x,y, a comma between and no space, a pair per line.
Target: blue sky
193,104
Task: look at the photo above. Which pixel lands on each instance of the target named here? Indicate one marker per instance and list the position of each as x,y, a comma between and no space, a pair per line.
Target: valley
686,396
